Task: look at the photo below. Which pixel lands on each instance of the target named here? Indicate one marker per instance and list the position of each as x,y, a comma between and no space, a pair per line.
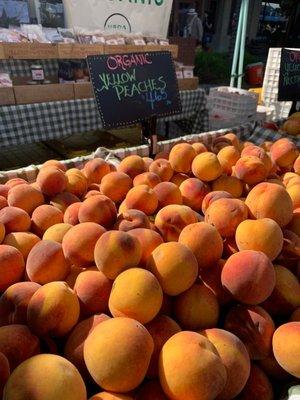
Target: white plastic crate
280,109
264,114
221,120
237,103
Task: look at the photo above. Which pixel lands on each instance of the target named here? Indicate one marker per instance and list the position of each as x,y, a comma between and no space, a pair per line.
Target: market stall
59,108
20,124
163,271
255,253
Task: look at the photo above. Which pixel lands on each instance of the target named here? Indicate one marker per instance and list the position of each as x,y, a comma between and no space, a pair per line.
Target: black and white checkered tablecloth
46,121
260,135
21,68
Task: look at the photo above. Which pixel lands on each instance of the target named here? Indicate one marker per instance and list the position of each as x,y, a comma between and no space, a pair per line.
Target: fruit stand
188,191
166,271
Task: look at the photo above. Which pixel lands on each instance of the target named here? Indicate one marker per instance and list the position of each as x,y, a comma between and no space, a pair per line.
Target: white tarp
137,16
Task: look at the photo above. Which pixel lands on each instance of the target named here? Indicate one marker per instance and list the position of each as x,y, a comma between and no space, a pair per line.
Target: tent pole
237,46
242,44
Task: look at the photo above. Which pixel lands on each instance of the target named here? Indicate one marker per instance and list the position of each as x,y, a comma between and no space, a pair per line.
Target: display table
31,123
30,172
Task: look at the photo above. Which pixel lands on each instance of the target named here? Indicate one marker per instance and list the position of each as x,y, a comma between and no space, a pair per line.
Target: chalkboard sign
289,77
130,88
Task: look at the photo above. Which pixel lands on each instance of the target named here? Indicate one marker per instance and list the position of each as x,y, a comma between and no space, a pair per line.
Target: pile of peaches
168,278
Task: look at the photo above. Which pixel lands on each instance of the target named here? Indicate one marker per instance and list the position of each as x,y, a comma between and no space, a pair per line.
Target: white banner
136,16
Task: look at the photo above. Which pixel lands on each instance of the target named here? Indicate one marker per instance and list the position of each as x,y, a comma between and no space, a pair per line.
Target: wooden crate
30,51
43,93
7,96
121,49
172,48
83,90
40,51
78,51
2,53
23,80
188,83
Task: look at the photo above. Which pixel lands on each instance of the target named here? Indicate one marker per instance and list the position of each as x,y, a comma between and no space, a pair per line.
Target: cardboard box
188,83
83,90
43,93
30,51
79,51
7,96
2,53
